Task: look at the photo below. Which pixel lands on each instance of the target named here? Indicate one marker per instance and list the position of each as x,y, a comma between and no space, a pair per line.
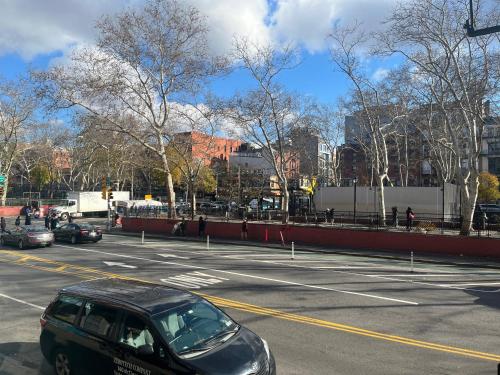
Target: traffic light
110,193
104,188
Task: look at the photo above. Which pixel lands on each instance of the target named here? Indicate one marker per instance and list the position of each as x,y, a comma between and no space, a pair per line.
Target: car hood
243,354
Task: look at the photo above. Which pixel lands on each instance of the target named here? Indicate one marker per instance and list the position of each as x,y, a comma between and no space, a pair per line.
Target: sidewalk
462,261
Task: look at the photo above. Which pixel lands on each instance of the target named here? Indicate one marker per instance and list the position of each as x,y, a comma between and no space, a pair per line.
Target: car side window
66,308
98,319
135,333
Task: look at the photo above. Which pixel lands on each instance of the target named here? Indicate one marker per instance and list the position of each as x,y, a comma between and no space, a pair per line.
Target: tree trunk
284,202
469,196
4,194
169,185
193,201
381,200
170,196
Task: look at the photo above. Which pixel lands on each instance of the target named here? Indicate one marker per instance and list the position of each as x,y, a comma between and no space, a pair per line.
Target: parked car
27,236
81,232
492,211
113,326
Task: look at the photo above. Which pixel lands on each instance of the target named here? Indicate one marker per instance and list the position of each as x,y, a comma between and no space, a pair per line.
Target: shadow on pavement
486,296
23,358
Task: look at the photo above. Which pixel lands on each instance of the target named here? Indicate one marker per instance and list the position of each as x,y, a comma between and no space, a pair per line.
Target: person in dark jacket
18,221
183,226
3,224
409,218
394,216
27,220
47,221
244,230
201,227
53,222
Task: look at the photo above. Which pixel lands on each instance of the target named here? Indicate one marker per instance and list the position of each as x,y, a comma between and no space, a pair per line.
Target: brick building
205,147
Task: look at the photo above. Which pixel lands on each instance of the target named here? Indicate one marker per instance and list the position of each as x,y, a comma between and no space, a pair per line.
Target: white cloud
229,18
380,74
307,22
31,27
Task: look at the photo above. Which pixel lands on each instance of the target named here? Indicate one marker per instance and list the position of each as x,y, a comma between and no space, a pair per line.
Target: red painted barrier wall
330,237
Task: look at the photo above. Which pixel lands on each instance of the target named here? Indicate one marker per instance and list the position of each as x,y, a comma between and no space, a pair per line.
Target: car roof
148,297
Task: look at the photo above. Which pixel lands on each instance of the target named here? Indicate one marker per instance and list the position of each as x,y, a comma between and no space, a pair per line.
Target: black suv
113,326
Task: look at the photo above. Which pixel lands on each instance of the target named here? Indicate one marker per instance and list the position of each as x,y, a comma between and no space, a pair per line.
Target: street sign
2,179
148,197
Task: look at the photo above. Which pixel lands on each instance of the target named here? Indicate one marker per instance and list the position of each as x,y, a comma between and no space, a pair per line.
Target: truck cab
64,211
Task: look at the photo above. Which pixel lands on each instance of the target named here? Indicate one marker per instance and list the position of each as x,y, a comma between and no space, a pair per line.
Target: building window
494,148
494,166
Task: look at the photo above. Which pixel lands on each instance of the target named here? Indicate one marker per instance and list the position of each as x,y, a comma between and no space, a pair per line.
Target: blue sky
37,33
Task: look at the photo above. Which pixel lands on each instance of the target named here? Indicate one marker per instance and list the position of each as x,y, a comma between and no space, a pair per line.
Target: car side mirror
145,350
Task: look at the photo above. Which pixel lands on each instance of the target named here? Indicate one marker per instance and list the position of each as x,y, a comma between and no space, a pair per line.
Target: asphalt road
320,313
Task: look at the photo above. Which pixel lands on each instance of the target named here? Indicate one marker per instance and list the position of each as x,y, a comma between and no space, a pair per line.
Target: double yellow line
30,261
221,302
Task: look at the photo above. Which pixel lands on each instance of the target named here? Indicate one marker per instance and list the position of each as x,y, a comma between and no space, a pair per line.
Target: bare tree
461,73
267,114
143,62
328,121
16,115
372,114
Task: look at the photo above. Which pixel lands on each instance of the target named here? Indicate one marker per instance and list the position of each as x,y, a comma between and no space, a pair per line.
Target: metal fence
27,201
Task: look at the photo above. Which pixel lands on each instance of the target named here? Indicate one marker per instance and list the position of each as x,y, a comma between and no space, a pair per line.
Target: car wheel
73,239
20,244
49,244
64,216
62,362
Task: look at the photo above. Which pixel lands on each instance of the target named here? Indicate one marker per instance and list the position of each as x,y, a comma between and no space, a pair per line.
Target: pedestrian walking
18,221
53,222
409,218
27,219
3,224
484,220
244,230
395,217
47,221
70,219
201,227
183,226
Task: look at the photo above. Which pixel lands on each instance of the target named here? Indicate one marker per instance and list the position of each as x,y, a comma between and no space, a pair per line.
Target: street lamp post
355,182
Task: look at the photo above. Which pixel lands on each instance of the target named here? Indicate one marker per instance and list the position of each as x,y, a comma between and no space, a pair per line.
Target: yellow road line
346,328
90,273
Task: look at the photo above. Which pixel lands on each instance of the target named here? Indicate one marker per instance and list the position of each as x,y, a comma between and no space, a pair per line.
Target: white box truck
80,203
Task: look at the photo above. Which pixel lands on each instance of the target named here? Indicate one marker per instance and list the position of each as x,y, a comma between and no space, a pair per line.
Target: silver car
27,236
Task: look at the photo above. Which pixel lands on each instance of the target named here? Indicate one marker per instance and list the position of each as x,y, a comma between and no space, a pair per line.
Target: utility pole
239,184
355,181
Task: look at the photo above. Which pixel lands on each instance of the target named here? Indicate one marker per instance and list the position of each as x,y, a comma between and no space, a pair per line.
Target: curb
359,253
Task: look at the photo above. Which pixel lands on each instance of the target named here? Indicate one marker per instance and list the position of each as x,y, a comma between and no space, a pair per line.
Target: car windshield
36,229
194,328
86,226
